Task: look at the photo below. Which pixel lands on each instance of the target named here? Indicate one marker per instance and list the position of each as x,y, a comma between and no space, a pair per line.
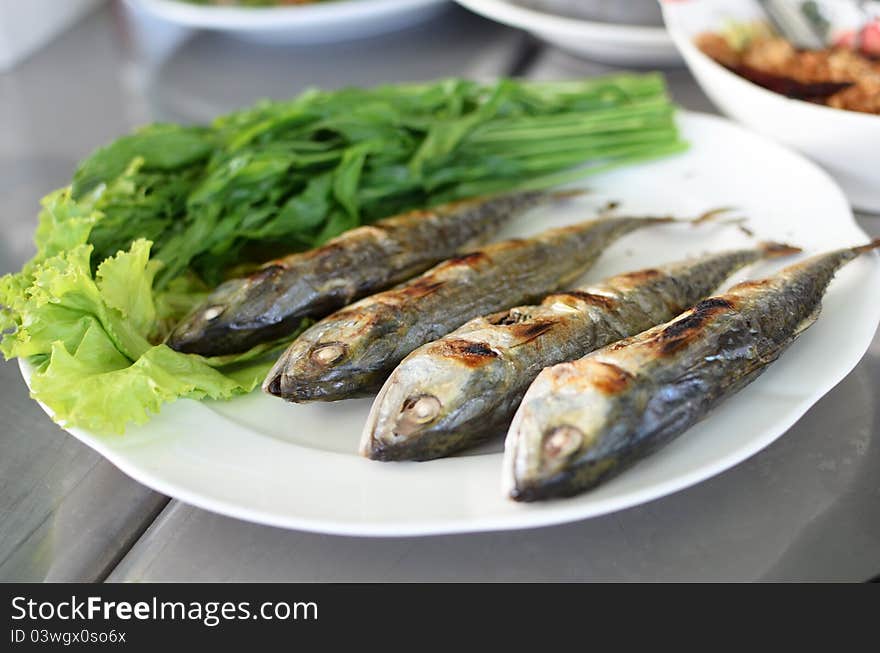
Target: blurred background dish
630,12
629,33
844,142
314,22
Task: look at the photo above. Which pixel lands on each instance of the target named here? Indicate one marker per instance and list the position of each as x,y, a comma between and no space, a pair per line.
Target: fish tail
712,215
770,249
861,249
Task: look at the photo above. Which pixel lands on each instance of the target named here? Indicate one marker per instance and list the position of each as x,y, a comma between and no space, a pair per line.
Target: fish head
560,436
206,327
237,315
342,356
432,400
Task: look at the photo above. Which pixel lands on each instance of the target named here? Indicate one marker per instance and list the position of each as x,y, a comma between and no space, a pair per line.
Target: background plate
318,23
260,459
634,45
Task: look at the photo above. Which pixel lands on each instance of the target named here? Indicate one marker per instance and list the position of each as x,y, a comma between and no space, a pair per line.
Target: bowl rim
273,17
686,47
534,20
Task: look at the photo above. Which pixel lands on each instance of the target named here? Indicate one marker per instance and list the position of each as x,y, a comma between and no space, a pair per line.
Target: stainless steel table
806,508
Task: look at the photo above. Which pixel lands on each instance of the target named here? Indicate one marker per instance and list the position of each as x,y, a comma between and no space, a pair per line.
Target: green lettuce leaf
97,388
88,337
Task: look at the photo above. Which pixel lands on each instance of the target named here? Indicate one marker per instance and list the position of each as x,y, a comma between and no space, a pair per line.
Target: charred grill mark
609,378
745,285
513,243
471,260
480,349
507,318
527,332
420,288
591,298
685,329
267,271
472,354
331,248
641,275
620,344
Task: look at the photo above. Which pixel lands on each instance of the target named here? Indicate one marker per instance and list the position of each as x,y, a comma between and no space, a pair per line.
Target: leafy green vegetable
88,336
286,175
153,220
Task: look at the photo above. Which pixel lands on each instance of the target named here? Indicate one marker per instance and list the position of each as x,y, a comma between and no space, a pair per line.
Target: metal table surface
805,508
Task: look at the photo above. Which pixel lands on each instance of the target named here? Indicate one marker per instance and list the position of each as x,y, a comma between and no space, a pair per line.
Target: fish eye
328,353
415,412
561,442
213,312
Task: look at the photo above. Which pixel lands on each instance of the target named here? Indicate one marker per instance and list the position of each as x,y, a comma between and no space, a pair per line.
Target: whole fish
270,303
351,352
456,391
584,421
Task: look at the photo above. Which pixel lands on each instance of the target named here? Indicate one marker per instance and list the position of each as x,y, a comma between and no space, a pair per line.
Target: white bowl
846,143
637,45
318,23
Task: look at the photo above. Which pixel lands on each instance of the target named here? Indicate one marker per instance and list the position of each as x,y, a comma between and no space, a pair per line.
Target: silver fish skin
270,303
583,422
351,352
465,387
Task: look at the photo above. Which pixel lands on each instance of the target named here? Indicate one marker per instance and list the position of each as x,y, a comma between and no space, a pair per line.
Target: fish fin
709,216
861,249
807,322
771,249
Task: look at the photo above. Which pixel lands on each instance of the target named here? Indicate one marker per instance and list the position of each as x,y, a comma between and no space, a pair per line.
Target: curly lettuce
88,335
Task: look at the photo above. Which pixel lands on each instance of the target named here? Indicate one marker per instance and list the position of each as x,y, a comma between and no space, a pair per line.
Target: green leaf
161,147
303,212
98,389
99,371
348,175
126,284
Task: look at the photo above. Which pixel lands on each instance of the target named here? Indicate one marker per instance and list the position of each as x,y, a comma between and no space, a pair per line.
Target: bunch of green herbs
155,219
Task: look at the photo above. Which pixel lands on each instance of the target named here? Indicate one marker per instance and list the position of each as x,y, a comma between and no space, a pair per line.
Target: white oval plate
609,42
318,23
263,460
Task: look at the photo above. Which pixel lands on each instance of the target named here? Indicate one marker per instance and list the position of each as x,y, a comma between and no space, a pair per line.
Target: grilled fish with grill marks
585,421
461,389
270,303
351,352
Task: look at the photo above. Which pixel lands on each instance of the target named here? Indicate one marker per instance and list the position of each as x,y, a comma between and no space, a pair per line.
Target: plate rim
533,20
537,515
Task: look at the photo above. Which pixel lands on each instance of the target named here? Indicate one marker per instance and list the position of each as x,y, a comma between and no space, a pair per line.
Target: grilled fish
351,352
270,303
585,421
454,392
